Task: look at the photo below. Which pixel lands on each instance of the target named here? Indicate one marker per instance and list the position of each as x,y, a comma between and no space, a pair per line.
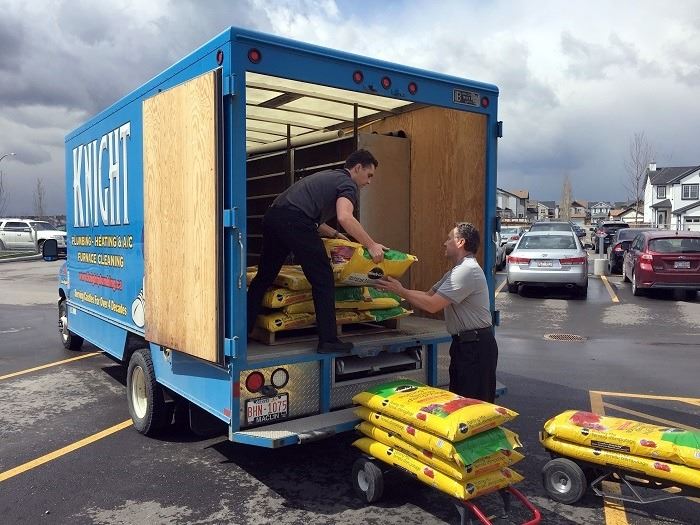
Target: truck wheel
564,481
69,339
367,480
144,395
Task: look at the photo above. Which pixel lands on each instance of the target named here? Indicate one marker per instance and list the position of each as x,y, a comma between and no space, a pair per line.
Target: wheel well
133,343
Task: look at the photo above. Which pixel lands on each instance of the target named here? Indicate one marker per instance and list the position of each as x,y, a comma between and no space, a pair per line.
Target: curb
33,257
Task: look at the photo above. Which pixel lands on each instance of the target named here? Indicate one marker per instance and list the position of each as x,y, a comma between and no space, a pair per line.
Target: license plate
263,409
544,264
468,98
681,264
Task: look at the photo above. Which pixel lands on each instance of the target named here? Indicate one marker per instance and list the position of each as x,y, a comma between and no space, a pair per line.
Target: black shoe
333,347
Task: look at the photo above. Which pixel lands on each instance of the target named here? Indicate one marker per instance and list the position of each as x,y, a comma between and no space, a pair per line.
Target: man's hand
377,250
390,284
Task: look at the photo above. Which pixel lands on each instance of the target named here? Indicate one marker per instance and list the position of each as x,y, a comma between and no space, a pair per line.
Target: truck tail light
570,261
412,88
279,378
386,82
358,77
254,382
518,260
254,55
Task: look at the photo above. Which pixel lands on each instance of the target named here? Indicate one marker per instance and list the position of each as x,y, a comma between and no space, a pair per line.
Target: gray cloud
592,61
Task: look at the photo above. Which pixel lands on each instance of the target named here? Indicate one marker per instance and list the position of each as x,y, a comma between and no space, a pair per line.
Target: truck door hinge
230,218
230,347
499,129
229,86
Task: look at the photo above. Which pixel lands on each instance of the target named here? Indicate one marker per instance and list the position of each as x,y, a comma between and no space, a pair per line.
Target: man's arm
427,301
326,231
343,210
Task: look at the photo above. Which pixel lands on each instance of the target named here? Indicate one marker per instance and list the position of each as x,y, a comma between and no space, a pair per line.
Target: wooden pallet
310,334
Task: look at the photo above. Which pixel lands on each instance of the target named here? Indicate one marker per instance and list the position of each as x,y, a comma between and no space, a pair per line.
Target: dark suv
607,231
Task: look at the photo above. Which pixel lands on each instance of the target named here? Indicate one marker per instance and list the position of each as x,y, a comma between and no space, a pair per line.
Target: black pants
473,367
285,231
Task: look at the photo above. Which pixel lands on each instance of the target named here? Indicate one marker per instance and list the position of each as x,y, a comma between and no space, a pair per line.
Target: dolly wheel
367,480
564,480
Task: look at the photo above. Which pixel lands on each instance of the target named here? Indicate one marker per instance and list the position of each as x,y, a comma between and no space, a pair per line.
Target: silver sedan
548,258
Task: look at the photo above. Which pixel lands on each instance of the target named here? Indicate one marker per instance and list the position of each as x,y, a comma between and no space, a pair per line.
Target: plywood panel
384,204
182,217
448,177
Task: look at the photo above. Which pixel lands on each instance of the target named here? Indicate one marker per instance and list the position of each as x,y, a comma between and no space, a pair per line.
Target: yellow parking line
612,293
614,511
500,287
49,365
689,400
63,451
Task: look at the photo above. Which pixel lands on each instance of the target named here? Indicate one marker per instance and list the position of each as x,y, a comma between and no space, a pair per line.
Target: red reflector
254,56
358,77
386,82
412,88
219,57
518,260
484,102
572,260
254,382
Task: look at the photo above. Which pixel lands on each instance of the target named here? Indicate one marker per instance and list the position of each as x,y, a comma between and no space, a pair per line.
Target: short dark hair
361,156
470,234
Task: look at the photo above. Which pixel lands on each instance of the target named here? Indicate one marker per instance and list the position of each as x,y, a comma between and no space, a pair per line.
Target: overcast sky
577,79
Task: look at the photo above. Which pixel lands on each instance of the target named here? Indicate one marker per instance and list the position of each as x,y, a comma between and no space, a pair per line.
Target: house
511,204
599,211
628,214
551,208
577,209
672,197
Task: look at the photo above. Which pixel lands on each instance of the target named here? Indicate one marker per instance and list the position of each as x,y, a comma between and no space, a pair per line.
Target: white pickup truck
28,234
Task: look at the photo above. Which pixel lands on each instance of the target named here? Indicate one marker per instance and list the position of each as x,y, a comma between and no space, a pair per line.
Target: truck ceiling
277,106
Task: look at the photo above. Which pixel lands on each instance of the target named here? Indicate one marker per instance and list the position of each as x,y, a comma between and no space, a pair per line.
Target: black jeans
288,231
473,367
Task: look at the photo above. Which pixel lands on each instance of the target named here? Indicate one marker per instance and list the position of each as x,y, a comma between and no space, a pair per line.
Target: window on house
689,191
661,192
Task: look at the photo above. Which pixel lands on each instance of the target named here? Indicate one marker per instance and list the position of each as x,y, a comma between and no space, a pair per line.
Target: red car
663,259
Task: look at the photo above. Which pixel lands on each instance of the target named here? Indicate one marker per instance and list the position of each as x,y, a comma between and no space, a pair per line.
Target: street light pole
7,155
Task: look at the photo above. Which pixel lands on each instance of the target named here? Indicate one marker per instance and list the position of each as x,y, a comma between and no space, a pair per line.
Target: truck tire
144,395
564,481
367,480
69,339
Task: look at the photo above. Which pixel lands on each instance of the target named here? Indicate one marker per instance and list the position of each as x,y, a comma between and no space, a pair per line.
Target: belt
468,336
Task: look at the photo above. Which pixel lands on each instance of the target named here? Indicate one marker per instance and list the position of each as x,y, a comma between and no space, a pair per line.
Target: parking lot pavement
69,455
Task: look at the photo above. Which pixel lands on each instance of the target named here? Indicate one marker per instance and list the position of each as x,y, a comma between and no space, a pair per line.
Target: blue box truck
166,189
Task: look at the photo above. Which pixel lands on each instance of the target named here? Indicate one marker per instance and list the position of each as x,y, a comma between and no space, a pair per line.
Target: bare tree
566,200
3,195
641,154
39,198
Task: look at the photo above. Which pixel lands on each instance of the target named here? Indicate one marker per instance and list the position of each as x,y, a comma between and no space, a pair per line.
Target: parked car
500,252
510,235
663,259
20,234
607,230
619,245
551,226
548,258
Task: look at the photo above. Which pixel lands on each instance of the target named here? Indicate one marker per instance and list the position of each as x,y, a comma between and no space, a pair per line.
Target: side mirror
49,250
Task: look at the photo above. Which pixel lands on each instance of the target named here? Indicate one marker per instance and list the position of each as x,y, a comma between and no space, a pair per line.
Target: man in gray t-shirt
464,296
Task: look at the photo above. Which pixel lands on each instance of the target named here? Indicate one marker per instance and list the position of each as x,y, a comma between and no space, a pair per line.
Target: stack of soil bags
290,302
666,453
449,442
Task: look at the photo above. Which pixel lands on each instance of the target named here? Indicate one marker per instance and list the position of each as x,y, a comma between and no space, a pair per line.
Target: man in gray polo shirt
464,296
295,223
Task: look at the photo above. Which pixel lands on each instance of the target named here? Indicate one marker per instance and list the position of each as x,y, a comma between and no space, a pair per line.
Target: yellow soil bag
463,490
466,452
491,463
626,436
291,277
278,321
350,298
633,464
281,297
434,410
355,265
